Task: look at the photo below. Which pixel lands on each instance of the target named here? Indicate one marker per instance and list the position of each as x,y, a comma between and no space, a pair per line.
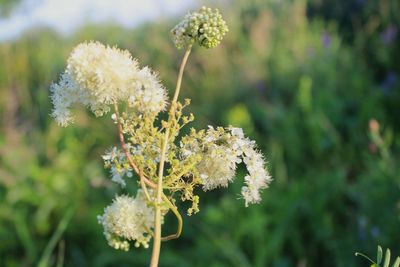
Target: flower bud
205,27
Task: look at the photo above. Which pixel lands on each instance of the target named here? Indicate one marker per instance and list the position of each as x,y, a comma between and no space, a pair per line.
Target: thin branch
143,180
178,216
122,140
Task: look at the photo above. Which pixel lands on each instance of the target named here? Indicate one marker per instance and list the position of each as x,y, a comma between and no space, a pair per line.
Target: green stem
183,172
44,260
365,256
178,216
157,214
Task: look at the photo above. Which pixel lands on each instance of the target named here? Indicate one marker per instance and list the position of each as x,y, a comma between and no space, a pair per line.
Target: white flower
64,94
258,177
127,219
221,150
218,160
115,159
150,96
217,167
98,76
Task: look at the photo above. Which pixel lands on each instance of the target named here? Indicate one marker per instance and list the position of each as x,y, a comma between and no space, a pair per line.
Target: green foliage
6,6
305,89
379,257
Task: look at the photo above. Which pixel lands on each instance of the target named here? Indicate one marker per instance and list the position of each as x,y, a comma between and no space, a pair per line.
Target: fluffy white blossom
116,160
257,178
221,150
150,96
64,94
98,76
127,219
218,165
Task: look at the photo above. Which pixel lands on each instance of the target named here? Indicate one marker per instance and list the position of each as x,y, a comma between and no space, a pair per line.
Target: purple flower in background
389,82
389,34
326,39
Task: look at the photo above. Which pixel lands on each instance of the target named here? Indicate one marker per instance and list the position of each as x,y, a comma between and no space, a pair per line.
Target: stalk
157,215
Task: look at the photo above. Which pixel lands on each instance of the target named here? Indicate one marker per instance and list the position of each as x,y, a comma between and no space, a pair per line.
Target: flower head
220,151
257,177
206,27
98,76
218,165
127,219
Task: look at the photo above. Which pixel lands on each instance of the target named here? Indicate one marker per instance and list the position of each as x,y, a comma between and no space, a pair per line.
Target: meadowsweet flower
64,94
221,150
150,95
258,177
127,219
116,160
98,76
206,27
218,165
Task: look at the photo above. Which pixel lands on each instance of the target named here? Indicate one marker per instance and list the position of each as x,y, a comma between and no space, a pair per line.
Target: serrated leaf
387,258
379,255
397,262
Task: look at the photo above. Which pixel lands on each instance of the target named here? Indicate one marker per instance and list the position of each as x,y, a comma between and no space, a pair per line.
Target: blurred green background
303,78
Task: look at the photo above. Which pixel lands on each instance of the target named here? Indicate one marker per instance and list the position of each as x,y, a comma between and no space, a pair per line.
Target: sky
65,16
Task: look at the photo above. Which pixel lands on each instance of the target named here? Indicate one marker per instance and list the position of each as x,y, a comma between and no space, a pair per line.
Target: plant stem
157,214
179,218
44,260
143,179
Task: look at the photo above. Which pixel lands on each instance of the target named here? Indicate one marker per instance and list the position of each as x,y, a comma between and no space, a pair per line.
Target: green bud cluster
206,27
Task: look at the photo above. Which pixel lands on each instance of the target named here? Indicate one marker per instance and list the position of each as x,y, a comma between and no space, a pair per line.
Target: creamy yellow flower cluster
127,219
98,76
221,150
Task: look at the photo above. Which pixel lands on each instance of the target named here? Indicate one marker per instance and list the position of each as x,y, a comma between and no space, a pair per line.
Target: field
315,83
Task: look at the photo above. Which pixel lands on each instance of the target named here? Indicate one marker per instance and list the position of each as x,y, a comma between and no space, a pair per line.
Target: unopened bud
205,27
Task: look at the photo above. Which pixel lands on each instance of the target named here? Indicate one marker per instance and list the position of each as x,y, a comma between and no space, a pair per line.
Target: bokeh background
316,83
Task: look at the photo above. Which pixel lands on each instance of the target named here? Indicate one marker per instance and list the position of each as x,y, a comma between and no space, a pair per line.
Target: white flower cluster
206,27
127,219
221,150
116,160
257,177
98,76
218,165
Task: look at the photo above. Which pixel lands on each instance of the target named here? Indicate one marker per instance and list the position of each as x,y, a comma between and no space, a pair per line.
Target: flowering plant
106,78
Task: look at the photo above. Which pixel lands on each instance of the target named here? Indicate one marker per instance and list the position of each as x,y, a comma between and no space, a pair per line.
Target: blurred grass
297,76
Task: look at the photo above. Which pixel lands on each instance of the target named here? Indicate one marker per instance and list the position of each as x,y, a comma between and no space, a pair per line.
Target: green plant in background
379,258
104,78
297,86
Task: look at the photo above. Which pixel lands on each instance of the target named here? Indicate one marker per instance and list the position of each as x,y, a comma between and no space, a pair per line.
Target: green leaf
367,258
61,227
397,262
387,258
379,255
